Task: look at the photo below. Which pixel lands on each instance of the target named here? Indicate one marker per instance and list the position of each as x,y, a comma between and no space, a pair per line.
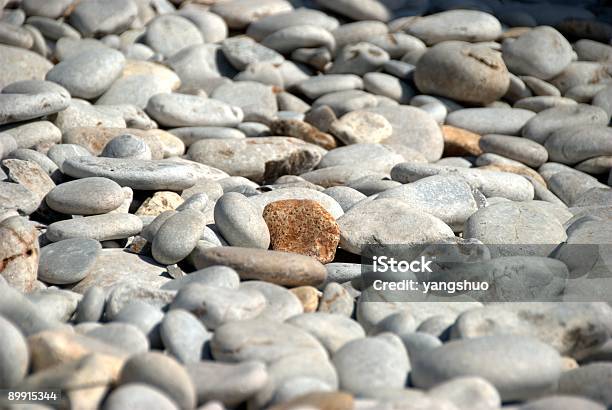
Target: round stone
169,34
87,196
184,336
462,71
359,127
126,146
14,357
177,237
68,261
304,227
240,222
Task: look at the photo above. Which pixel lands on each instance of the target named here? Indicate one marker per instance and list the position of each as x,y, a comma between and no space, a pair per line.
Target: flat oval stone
546,122
262,340
259,159
162,372
506,121
138,395
104,227
87,196
20,64
449,198
524,55
89,74
359,59
239,14
21,106
262,27
32,134
370,223
242,51
332,330
184,336
468,392
282,268
462,71
520,149
182,110
68,261
135,89
94,18
177,237
315,87
358,10
136,174
570,145
14,358
291,38
507,362
169,34
462,25
384,356
522,226
240,222
256,101
124,336
353,33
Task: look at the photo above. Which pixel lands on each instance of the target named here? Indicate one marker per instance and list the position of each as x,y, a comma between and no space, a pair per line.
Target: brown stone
281,268
308,296
160,202
321,401
458,142
302,226
19,253
519,170
303,131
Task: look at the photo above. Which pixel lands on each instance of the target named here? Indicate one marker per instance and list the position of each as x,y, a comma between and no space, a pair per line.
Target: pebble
304,131
103,227
162,372
217,276
136,174
178,236
288,39
87,196
505,121
359,59
281,303
462,71
99,17
126,146
20,64
240,222
15,359
138,396
315,87
524,56
19,253
68,261
359,127
256,101
123,336
591,381
169,34
277,267
352,33
303,227
182,110
184,336
91,306
30,175
570,145
520,149
468,393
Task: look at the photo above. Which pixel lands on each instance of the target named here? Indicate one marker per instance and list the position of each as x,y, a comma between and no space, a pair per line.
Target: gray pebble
241,223
177,237
99,227
87,196
126,146
67,262
521,149
490,120
182,110
184,336
138,396
94,18
124,336
91,306
14,358
359,59
169,34
242,51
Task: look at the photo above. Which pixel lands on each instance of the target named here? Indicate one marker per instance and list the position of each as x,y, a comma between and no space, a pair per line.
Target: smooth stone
288,39
505,121
603,99
242,51
136,174
468,393
30,175
14,358
364,225
240,222
26,100
182,110
384,356
388,86
541,103
317,86
57,305
281,304
20,64
184,336
145,317
135,89
509,365
53,29
227,383
40,159
591,381
211,26
336,300
520,149
302,130
361,127
126,146
46,8
239,14
189,135
540,127
178,236
267,341
89,74
299,386
570,145
19,253
99,227
480,75
256,101
375,157
449,198
361,10
123,336
32,134
80,114
91,306
524,56
556,401
359,59
332,330
281,268
59,153
169,34
345,196
521,227
125,293
217,276
259,159
414,129
490,183
342,102
87,196
94,18
267,25
540,87
352,33
138,396
67,262
325,201
163,373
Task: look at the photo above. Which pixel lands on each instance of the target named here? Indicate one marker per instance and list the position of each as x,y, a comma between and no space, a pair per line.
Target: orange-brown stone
458,142
308,296
302,226
321,401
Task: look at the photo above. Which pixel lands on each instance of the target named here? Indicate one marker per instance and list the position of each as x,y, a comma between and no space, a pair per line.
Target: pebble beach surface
188,190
